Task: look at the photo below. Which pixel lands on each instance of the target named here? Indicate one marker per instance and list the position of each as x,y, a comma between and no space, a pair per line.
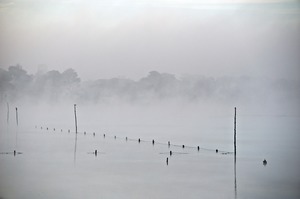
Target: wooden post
235,183
234,132
17,120
75,134
75,118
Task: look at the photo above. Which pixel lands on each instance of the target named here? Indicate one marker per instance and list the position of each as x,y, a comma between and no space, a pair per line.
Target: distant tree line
17,84
54,86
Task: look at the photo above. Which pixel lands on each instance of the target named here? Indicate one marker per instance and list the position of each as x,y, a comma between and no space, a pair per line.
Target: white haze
188,110
159,69
105,39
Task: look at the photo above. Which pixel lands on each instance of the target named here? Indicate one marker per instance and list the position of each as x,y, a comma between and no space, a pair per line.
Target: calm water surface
49,168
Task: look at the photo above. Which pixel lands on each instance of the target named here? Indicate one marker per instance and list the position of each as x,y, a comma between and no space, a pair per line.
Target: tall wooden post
75,134
235,183
75,118
234,131
17,119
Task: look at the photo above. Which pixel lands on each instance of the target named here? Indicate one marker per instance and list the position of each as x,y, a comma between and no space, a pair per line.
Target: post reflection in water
75,149
235,183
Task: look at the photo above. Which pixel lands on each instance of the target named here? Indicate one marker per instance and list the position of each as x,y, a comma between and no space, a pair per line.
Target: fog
191,110
159,69
106,39
154,96
195,53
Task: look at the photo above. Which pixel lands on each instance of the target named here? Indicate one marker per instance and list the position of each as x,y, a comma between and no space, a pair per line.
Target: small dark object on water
96,152
15,152
183,146
126,138
115,137
153,142
169,144
41,127
104,135
139,140
60,130
94,134
198,148
54,129
217,150
170,153
69,131
47,128
167,161
265,162
84,133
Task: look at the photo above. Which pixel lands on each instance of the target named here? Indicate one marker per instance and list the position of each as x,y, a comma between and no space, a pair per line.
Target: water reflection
235,183
75,148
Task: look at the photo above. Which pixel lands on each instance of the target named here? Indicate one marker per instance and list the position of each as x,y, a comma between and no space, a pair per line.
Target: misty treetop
17,84
54,86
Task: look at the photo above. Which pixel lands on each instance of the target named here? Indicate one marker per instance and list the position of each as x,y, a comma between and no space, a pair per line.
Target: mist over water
258,95
155,84
156,99
189,110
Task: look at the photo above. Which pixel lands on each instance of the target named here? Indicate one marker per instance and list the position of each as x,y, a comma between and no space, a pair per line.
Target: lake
49,167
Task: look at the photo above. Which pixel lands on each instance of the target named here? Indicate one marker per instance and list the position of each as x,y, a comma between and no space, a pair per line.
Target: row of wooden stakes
139,140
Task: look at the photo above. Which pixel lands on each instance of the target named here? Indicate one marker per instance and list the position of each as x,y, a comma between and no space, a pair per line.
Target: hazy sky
129,38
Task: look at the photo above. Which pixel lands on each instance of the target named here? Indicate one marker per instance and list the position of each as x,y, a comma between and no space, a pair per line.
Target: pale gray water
46,169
